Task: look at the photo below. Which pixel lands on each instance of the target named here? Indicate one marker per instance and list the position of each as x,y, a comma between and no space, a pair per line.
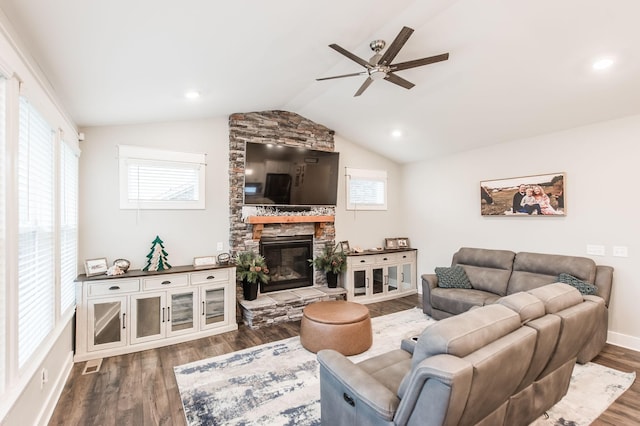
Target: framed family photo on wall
525,196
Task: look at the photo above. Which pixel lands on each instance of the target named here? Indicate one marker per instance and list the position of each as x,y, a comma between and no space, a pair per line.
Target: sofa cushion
532,270
462,334
557,297
526,305
453,277
583,287
487,269
459,300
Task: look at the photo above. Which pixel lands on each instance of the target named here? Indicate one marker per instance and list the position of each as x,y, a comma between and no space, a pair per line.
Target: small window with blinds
36,238
366,189
158,179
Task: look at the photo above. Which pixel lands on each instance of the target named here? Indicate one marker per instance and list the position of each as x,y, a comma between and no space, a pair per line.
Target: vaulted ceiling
516,68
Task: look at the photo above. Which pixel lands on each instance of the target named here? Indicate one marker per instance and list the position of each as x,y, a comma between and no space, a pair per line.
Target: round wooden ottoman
339,325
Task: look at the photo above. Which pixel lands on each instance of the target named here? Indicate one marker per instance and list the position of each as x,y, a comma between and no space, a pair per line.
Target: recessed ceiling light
602,64
192,94
396,133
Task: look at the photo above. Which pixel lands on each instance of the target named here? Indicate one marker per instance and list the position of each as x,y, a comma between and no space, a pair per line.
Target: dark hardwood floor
140,388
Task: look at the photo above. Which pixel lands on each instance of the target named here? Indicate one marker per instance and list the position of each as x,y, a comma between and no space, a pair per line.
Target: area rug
279,383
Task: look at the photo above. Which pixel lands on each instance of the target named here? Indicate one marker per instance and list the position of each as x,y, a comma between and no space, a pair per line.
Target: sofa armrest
338,376
436,391
604,282
429,281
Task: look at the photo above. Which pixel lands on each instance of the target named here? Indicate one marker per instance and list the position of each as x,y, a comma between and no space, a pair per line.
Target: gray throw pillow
582,286
454,277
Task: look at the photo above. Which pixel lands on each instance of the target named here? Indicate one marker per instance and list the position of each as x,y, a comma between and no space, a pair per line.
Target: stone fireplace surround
277,127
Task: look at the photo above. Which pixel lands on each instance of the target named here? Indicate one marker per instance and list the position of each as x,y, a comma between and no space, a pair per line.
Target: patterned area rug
279,384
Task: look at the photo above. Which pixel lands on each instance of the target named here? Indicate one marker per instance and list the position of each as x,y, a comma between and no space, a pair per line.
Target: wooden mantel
258,222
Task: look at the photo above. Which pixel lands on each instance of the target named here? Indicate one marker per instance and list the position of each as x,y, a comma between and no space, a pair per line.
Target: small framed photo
202,261
97,266
390,243
344,246
403,242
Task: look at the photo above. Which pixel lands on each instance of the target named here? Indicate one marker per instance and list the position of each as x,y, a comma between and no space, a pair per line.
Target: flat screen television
280,175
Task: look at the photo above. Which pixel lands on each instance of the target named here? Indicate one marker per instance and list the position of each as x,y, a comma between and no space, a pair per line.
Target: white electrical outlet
596,250
220,247
620,251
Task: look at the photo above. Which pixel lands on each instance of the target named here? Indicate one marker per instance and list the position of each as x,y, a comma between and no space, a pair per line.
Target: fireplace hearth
287,259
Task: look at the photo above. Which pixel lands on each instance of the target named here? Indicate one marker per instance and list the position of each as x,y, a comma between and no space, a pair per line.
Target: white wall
602,204
107,231
368,229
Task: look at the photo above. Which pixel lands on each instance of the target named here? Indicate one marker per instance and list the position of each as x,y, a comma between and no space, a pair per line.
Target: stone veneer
277,127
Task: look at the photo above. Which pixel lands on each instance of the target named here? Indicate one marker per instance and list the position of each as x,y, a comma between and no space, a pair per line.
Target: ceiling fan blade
395,47
350,55
399,81
340,76
364,86
419,62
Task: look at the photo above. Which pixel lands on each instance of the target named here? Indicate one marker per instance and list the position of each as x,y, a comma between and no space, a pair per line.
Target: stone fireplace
277,127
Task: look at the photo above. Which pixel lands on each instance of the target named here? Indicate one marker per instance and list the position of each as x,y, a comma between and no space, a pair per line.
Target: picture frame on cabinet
390,243
203,261
403,242
344,246
98,266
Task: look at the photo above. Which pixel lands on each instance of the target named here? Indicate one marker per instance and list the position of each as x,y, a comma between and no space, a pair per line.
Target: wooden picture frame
344,246
403,242
512,196
98,266
390,243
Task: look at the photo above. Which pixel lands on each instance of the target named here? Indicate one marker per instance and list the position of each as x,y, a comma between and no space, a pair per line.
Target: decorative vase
332,280
249,290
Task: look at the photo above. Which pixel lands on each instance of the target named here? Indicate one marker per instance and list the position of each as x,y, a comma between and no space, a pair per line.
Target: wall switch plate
620,251
220,247
596,250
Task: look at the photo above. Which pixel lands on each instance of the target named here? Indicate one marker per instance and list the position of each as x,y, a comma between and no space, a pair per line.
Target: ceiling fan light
377,74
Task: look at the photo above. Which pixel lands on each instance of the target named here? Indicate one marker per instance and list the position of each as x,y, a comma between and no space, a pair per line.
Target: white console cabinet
144,310
377,276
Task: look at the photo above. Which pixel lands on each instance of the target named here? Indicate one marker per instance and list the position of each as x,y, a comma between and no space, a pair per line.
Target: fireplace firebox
287,259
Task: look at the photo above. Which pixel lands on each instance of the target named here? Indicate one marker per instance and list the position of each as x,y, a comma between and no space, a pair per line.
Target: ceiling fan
380,66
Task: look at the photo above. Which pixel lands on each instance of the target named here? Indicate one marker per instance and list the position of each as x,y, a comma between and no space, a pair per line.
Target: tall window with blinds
158,179
68,225
3,237
366,189
36,238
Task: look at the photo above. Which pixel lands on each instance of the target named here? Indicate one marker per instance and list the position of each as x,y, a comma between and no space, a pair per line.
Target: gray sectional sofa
501,364
497,273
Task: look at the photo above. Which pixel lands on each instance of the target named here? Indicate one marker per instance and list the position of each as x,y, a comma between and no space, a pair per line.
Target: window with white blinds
68,225
36,275
3,238
158,179
366,189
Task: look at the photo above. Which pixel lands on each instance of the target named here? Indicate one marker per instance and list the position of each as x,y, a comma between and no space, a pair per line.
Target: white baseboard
624,340
54,395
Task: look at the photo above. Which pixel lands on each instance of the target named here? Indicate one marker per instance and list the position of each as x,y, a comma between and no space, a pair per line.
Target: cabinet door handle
402,275
168,314
162,314
362,261
384,258
367,282
124,316
404,257
165,282
210,277
114,287
203,307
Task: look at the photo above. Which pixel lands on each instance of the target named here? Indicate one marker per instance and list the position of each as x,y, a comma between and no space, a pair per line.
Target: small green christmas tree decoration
157,257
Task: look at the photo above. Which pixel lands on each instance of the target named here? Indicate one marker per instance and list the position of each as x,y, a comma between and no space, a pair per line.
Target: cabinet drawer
210,276
361,260
112,287
166,281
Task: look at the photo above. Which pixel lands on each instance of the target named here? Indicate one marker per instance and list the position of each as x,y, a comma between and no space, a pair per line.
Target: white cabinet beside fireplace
139,311
374,277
